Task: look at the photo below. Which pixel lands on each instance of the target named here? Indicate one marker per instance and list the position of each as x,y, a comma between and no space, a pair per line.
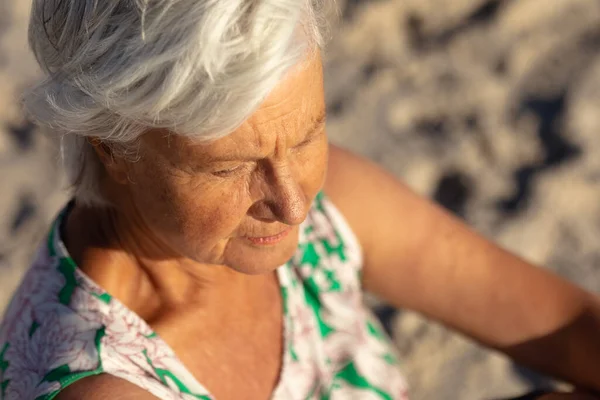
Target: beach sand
490,107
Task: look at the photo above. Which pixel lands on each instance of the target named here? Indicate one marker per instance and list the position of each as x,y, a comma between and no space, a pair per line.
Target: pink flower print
305,270
40,285
341,310
29,387
339,347
300,379
87,299
346,274
17,321
122,344
323,228
89,307
161,355
378,372
61,338
123,350
309,237
117,364
123,341
65,338
126,344
320,279
304,323
158,355
123,332
43,259
129,318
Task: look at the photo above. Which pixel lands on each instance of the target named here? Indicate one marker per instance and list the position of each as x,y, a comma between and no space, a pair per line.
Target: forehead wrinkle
264,132
258,133
267,127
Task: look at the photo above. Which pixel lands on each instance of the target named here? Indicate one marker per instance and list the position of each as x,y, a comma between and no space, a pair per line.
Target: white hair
199,68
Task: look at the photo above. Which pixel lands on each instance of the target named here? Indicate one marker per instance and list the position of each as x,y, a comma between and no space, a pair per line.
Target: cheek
189,208
213,214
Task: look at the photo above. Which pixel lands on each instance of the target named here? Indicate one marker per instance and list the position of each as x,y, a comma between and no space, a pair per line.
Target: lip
268,240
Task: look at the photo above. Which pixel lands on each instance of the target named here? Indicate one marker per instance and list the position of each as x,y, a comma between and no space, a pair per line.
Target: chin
250,259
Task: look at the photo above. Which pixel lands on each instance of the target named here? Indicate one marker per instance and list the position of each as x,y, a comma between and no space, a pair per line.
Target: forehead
298,95
291,109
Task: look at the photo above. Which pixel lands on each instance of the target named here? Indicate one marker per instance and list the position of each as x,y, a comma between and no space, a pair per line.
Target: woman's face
236,201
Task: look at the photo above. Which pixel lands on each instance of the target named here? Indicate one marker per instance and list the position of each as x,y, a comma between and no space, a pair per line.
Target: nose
284,199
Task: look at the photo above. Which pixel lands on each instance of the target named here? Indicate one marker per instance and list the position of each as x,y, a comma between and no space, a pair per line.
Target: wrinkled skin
191,235
201,201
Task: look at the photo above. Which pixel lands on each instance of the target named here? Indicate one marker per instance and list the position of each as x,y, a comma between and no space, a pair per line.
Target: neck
121,255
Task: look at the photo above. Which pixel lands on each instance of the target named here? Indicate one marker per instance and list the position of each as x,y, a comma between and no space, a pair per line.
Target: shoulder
104,387
42,339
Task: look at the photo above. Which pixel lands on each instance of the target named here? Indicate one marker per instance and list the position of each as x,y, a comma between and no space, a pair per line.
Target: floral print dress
62,327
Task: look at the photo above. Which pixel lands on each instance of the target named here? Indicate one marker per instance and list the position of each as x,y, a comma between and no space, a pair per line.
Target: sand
487,106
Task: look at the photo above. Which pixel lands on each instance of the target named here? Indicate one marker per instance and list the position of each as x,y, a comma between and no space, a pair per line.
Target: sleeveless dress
61,327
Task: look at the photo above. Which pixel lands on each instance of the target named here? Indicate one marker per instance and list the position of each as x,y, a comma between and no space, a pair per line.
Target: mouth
268,240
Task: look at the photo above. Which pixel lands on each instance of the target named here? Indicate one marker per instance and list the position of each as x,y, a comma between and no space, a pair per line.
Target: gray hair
199,68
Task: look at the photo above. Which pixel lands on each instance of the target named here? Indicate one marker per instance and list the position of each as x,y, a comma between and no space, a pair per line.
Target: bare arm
104,387
420,257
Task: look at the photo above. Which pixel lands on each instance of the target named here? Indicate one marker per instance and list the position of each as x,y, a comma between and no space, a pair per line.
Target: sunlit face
237,201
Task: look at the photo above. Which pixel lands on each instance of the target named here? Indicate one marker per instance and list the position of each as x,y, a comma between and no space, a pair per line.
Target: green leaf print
3,367
3,386
312,299
67,268
318,203
57,373
3,362
67,379
310,255
98,342
286,315
334,283
51,250
65,376
293,354
375,332
284,300
390,359
164,374
309,229
339,249
33,328
351,376
104,297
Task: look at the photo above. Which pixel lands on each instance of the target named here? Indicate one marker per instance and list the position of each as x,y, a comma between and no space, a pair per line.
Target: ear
115,166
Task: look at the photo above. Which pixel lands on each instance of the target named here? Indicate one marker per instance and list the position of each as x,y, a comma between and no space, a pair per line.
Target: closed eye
310,139
229,171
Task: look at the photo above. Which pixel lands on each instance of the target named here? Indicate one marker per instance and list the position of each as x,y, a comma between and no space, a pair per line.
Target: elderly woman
217,246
